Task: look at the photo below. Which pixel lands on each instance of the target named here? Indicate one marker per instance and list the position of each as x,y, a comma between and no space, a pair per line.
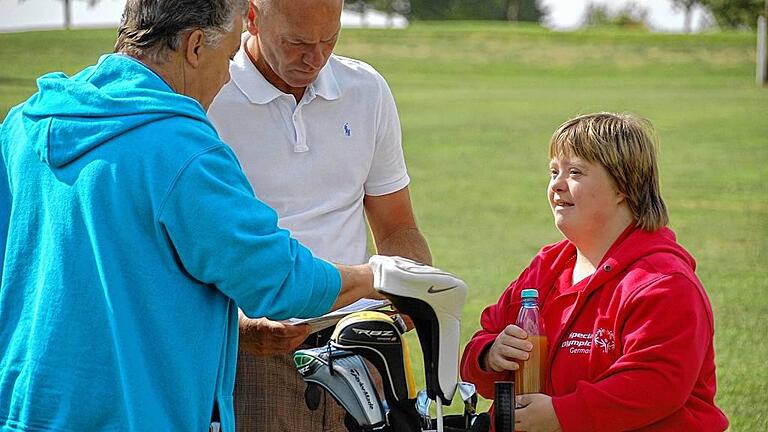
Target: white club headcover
442,291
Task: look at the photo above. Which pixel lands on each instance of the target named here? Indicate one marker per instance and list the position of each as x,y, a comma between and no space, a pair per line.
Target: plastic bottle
531,377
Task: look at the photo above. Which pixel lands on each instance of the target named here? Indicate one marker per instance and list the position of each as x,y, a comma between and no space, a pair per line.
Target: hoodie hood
630,247
70,116
635,244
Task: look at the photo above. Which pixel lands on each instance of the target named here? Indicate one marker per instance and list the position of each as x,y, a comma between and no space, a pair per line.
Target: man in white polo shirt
318,136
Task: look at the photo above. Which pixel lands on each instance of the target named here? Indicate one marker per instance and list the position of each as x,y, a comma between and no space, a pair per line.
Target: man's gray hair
150,29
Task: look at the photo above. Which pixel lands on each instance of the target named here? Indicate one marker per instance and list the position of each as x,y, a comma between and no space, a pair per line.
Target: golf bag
434,300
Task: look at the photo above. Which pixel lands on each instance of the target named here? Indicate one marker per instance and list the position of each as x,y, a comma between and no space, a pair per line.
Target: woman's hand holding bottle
510,347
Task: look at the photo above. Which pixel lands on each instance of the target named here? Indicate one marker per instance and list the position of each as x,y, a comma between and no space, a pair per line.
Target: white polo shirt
313,162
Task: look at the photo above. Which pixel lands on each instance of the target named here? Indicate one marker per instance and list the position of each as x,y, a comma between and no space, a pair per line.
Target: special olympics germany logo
605,339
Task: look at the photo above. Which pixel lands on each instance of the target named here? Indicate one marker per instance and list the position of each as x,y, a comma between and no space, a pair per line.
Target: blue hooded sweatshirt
131,239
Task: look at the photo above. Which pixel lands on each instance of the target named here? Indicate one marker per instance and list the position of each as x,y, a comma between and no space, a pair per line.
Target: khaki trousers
269,397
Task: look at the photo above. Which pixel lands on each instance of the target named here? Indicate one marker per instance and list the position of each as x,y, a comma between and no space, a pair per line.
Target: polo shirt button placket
301,134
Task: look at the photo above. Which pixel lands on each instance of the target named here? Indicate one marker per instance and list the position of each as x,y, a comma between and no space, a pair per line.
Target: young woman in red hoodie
629,324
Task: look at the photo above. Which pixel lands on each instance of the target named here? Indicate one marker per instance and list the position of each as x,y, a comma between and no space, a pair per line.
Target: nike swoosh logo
432,289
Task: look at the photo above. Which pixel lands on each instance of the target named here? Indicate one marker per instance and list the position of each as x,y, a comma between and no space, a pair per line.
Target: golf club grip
504,406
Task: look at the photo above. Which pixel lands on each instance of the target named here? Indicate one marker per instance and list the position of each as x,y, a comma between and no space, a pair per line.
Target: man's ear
195,43
252,19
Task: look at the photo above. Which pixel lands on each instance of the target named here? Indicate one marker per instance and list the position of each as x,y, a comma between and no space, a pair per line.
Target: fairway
478,103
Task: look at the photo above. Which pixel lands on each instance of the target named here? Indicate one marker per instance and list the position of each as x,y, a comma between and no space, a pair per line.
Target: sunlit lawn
478,103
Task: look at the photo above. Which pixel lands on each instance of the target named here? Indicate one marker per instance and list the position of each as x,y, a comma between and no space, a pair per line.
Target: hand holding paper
331,318
263,337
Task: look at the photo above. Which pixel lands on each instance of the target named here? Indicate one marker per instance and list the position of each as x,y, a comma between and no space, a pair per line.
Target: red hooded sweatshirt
630,347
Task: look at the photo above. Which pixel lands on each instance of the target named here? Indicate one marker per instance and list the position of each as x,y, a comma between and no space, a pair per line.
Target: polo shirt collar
250,81
325,85
258,90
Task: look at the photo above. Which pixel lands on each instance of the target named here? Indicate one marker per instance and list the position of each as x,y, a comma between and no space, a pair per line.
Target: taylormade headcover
346,377
434,300
378,338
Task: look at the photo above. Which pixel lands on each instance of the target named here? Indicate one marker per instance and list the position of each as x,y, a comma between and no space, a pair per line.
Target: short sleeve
388,173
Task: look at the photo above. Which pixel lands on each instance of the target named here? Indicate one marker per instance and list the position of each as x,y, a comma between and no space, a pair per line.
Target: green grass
478,103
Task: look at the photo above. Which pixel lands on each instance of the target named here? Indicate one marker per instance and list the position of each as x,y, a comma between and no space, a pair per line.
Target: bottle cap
530,293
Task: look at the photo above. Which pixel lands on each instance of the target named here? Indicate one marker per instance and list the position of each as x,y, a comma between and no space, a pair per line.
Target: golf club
468,394
422,407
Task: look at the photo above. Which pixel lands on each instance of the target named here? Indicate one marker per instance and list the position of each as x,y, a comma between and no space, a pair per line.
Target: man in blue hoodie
131,237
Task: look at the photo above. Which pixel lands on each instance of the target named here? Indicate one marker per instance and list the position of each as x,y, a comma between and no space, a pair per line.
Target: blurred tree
359,6
478,9
390,7
513,10
524,10
687,7
429,9
735,14
631,16
382,5
68,11
597,15
403,7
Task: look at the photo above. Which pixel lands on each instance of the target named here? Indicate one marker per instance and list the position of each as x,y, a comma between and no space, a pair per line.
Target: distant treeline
727,14
513,10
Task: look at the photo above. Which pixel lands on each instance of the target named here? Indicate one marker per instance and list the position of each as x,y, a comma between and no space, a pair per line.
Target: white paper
331,318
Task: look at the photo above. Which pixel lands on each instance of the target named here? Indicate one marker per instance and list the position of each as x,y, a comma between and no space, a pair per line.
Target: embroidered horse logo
605,339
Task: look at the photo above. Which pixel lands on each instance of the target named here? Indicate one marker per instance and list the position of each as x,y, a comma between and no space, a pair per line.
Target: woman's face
583,197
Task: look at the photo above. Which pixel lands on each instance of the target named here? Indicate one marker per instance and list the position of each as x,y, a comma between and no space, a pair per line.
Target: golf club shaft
439,419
